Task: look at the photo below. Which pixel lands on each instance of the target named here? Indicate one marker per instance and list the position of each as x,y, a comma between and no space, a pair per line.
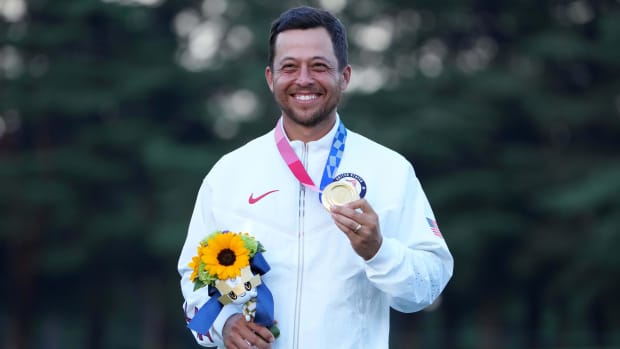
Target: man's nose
304,77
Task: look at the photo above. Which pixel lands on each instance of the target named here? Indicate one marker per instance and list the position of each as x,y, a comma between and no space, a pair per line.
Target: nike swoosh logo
252,200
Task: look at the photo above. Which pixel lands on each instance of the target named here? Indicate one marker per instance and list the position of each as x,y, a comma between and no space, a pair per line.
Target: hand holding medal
359,222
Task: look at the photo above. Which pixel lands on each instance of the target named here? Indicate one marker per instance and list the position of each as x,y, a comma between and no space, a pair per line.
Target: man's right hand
241,334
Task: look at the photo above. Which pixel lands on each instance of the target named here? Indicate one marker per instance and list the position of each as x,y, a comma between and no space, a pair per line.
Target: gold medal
339,193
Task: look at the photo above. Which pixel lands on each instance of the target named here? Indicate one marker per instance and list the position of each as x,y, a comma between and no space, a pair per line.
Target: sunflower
195,265
224,255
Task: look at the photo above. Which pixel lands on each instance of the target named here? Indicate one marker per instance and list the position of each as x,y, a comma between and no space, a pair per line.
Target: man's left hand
360,224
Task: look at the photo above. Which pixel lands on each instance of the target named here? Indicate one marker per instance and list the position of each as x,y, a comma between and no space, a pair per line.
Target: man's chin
309,119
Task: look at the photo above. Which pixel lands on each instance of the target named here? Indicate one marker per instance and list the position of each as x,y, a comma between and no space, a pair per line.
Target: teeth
305,97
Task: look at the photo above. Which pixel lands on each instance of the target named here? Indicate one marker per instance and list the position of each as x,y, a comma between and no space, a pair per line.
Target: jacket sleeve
201,225
413,264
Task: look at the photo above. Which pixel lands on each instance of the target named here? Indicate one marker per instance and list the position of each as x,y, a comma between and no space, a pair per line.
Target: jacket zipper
300,250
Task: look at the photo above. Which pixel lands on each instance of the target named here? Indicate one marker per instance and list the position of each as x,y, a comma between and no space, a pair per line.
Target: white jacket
325,295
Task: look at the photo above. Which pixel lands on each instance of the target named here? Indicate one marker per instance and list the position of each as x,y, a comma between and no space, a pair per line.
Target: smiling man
307,81
347,228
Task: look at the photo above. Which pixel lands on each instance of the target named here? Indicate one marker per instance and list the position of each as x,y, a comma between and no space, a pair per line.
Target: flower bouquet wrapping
230,265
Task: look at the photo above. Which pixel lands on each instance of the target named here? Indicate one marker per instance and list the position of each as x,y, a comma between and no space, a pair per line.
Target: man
335,269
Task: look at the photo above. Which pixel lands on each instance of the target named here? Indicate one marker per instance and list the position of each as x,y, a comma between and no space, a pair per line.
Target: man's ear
269,77
346,77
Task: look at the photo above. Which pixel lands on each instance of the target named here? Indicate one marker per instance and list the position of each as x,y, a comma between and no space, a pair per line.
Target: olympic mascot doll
231,265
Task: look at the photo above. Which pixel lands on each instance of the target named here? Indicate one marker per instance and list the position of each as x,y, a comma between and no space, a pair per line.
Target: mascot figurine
231,265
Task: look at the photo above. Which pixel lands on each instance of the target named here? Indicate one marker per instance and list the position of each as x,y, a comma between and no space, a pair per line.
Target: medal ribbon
298,169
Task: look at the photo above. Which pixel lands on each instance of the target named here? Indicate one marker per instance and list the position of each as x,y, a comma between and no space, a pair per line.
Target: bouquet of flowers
231,265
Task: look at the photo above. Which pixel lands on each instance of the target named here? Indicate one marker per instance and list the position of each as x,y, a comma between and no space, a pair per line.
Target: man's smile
306,97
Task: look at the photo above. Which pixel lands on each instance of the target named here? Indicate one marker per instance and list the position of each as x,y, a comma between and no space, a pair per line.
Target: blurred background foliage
111,113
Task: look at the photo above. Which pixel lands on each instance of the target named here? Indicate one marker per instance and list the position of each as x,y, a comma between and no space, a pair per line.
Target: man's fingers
361,205
238,333
262,332
350,220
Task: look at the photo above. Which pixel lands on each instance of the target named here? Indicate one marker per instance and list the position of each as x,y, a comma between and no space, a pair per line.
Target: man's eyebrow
284,59
289,58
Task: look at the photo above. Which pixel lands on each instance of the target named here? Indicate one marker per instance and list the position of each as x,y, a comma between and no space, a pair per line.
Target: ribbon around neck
296,166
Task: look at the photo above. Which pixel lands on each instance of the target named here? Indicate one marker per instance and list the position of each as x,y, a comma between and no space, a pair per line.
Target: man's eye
232,295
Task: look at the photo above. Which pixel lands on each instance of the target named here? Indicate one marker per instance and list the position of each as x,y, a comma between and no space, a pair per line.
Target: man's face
305,79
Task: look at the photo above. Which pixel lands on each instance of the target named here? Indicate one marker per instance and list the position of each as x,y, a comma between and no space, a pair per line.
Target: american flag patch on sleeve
434,228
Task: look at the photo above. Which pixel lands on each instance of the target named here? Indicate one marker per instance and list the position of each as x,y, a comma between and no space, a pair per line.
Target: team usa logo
355,180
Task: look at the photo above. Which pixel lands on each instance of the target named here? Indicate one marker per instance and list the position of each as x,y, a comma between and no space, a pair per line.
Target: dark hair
306,17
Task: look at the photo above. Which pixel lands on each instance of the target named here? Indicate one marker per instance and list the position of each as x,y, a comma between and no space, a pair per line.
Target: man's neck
298,132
